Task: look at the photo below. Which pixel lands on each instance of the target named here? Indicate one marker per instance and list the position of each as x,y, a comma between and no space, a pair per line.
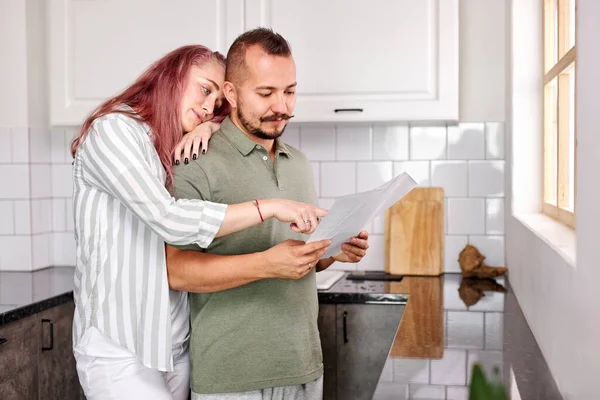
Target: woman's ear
230,93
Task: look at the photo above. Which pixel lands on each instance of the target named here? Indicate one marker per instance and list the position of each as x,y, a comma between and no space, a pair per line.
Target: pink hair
155,98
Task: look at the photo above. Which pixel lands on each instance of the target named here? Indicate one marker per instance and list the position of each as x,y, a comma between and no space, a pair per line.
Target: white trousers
119,375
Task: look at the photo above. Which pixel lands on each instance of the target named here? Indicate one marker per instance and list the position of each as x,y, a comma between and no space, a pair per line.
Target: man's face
266,99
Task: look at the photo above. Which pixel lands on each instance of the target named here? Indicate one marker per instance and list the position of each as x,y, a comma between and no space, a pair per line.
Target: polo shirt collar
243,143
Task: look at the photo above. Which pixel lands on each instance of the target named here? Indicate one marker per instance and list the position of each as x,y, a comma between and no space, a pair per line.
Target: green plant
483,389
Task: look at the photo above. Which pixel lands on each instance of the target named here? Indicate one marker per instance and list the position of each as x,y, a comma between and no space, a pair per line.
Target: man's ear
230,93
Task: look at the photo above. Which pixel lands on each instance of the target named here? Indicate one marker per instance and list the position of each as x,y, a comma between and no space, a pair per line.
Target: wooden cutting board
414,233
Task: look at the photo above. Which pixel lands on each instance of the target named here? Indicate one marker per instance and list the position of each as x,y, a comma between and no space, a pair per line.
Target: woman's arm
198,272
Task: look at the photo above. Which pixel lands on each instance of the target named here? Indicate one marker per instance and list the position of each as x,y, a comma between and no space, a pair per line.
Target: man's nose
279,106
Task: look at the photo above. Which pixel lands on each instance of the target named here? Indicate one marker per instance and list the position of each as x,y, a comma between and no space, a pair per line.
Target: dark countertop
26,293
438,339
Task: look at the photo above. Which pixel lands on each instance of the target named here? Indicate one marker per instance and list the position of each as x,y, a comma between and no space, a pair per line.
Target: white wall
13,68
555,281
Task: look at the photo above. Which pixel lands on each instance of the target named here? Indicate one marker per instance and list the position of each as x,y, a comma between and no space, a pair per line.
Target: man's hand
355,249
352,251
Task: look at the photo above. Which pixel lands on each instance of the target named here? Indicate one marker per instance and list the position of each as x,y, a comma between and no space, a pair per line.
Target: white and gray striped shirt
123,217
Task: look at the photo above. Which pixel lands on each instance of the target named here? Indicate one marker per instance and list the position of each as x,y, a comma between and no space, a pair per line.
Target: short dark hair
270,42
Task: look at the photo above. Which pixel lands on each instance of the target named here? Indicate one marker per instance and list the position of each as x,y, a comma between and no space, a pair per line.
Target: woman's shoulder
121,119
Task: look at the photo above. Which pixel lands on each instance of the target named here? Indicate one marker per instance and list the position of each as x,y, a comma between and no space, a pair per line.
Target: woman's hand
303,216
293,259
190,143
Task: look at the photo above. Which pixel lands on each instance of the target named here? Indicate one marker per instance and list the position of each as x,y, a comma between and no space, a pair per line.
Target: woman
124,215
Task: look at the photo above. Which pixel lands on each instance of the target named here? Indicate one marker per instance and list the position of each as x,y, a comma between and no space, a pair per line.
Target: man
259,338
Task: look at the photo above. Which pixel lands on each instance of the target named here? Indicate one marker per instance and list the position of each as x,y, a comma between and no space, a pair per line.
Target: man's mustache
275,117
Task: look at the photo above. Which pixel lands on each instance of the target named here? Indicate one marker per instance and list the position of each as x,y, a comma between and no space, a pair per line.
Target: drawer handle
51,335
2,340
345,330
337,110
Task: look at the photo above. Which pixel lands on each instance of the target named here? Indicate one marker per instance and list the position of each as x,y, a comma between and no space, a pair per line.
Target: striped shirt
123,217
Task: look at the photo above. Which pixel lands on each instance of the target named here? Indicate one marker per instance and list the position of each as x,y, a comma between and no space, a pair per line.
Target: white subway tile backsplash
7,218
291,135
62,180
457,393
354,143
59,215
450,370
58,146
63,248
318,143
41,246
374,259
466,216
391,391
465,330
14,181
15,253
390,142
494,140
427,143
41,216
20,145
452,176
5,146
486,178
494,216
316,167
492,247
494,331
338,178
466,141
372,174
41,181
22,217
452,247
40,145
411,370
427,392
418,170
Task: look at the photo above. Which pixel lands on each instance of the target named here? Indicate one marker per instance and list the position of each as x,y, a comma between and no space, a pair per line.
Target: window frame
558,58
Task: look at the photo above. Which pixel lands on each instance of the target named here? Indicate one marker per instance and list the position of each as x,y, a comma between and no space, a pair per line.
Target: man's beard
259,133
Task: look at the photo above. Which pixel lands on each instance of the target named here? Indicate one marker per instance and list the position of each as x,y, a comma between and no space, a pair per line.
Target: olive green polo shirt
263,334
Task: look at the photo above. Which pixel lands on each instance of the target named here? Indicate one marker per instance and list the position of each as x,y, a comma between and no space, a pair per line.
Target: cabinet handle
345,317
51,335
337,110
2,340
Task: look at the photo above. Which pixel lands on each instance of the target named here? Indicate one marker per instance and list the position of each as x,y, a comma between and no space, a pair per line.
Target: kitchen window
560,136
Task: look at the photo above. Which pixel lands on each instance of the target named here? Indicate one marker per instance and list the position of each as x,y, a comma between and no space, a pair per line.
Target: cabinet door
19,359
97,48
365,333
328,333
57,374
392,59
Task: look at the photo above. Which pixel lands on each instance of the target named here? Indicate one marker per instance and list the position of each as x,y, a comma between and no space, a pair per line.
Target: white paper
349,214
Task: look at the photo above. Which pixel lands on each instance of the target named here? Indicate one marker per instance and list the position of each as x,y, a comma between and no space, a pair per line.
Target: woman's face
202,94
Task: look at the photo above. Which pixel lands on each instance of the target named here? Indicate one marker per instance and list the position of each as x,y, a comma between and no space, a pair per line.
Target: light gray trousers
308,391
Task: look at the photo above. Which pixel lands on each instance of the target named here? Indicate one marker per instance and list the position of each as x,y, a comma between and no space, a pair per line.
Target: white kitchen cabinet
98,47
383,60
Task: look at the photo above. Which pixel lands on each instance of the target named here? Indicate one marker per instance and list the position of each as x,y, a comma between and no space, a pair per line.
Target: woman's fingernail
186,161
203,151
194,156
176,162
